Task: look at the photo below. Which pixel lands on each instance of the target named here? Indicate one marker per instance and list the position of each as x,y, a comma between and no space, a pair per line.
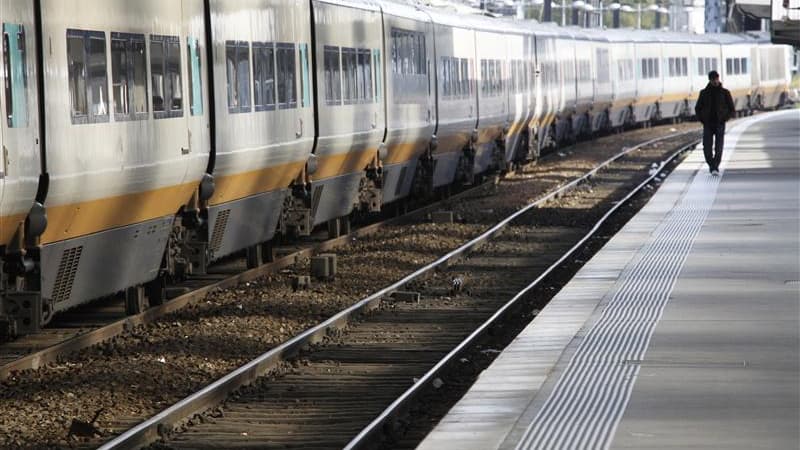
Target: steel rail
371,431
216,392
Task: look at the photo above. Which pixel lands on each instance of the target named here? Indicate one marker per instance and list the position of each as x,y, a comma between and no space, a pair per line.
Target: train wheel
156,291
255,256
135,300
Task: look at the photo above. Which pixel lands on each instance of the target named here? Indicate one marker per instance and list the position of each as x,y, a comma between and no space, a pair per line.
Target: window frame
291,49
196,108
333,97
85,36
239,107
128,39
17,116
269,49
168,42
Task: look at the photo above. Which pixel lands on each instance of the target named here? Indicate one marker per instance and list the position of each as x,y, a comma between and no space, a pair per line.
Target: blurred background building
695,16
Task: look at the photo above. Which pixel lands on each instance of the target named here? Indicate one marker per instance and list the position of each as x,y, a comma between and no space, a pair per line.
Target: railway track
51,388
375,357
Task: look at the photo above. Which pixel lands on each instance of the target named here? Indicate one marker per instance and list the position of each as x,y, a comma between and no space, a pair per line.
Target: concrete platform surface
683,332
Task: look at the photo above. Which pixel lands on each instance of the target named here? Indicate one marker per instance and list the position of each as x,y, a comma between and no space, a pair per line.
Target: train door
198,135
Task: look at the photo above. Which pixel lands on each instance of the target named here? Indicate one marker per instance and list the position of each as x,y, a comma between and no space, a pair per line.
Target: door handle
188,149
299,132
5,162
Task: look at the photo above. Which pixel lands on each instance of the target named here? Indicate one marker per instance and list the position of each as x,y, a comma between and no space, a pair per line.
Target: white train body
145,139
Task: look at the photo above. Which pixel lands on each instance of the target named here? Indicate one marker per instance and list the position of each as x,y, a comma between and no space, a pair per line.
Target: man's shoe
715,172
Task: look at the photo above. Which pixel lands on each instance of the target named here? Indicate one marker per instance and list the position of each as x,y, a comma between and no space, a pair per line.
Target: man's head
713,77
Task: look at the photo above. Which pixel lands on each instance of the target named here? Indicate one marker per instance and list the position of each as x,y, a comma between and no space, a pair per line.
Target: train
146,140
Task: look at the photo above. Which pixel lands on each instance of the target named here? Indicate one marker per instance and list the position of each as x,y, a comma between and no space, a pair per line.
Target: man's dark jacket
715,105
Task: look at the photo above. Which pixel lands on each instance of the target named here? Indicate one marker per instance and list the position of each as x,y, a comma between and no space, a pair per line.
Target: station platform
683,332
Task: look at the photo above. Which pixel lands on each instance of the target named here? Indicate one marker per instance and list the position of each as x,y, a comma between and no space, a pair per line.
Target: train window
408,52
744,65
514,76
498,77
443,69
76,65
285,69
138,52
449,86
365,76
165,74
484,77
174,79
16,85
376,58
603,66
361,93
119,77
98,78
157,75
128,76
88,80
455,76
728,66
195,76
349,68
465,86
264,75
237,63
333,76
737,66
305,84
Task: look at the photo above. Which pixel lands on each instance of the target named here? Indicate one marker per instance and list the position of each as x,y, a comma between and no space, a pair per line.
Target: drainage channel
217,392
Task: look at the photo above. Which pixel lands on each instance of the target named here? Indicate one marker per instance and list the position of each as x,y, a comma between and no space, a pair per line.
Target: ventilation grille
316,196
400,181
67,268
219,229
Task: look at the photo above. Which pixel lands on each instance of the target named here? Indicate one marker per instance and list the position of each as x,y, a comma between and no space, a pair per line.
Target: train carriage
127,141
602,98
677,51
410,101
264,118
649,76
521,57
704,59
622,56
585,77
771,80
548,96
493,92
567,80
456,94
351,118
735,62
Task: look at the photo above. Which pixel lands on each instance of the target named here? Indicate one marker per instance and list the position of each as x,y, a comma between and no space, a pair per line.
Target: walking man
714,107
